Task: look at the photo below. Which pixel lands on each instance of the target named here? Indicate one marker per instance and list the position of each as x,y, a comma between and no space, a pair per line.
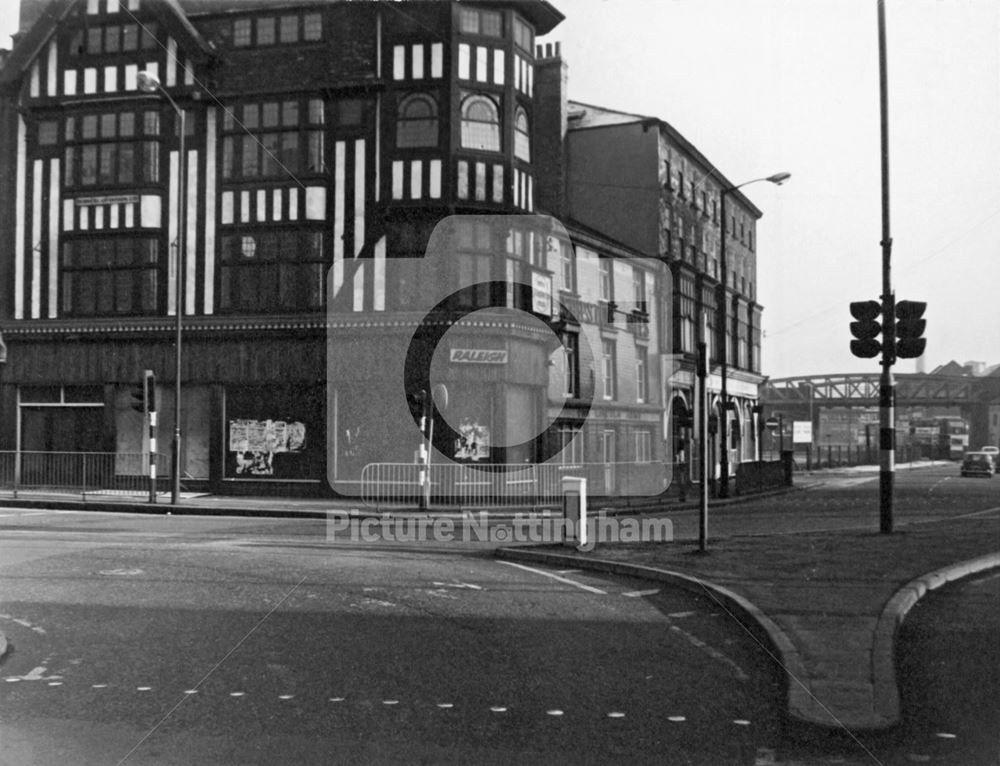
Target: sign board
478,356
802,432
541,294
771,423
108,199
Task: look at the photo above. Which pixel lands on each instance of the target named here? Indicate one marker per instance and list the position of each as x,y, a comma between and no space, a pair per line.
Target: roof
588,117
28,47
540,13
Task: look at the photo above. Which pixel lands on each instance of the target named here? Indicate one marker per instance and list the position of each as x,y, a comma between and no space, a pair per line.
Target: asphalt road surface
160,650
187,640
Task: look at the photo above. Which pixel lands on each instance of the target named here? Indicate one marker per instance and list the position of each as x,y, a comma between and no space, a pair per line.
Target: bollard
574,490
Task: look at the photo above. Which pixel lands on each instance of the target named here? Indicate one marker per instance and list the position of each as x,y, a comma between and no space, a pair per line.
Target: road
187,640
140,649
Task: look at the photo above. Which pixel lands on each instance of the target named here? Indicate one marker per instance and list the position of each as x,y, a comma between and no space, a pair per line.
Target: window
480,22
48,132
272,270
241,32
110,276
609,374
265,30
571,357
417,123
641,374
273,139
107,150
289,29
639,288
522,135
480,123
570,445
312,27
607,292
684,313
269,30
643,446
567,266
524,36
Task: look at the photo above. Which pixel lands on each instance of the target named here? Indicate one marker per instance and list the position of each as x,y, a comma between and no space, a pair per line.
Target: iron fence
493,485
110,473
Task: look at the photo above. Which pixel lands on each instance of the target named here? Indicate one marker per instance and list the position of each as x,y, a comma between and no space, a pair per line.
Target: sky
762,86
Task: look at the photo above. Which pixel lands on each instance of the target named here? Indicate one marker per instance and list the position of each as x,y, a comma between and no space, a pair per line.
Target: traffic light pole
887,390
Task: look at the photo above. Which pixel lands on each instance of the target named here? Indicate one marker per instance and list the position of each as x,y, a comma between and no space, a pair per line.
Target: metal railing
106,473
493,485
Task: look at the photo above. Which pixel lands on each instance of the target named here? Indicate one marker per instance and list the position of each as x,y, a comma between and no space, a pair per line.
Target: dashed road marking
641,593
715,654
35,674
457,584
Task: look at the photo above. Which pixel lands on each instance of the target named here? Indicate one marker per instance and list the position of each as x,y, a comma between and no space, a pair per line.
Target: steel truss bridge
802,397
862,390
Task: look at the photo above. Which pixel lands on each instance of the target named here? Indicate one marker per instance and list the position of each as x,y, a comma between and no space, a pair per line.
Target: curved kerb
885,690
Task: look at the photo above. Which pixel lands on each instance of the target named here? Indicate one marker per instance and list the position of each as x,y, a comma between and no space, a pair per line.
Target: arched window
522,135
417,122
480,124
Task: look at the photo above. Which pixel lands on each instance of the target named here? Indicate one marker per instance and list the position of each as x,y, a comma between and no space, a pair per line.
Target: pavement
827,605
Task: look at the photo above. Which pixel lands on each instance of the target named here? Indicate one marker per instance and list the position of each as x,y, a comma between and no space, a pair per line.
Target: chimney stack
551,120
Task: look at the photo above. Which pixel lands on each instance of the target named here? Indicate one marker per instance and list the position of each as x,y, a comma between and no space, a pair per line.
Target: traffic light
137,398
149,388
910,327
418,402
143,398
866,329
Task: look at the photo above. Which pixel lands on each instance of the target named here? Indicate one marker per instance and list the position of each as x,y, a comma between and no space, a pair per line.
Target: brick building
322,144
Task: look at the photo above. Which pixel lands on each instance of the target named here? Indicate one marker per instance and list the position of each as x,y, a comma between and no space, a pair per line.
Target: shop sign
541,294
478,356
108,199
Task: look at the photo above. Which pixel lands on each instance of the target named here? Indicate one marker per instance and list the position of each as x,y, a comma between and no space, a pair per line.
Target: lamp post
150,83
778,179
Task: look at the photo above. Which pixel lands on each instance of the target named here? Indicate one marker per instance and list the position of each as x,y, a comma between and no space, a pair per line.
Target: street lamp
150,83
778,179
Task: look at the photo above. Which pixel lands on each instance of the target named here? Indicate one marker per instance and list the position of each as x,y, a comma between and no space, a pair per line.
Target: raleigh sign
478,356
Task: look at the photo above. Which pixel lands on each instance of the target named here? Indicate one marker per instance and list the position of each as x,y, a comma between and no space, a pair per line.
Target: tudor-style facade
323,141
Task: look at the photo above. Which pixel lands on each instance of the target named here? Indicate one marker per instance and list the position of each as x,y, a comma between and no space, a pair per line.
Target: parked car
995,452
978,464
